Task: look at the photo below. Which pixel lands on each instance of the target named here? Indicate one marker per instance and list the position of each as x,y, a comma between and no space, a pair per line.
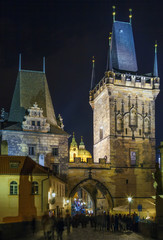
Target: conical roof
31,87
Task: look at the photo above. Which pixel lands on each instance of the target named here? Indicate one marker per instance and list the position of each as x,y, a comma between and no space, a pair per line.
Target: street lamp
129,201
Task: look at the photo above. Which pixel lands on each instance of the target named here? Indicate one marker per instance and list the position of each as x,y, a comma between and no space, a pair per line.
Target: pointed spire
113,13
43,64
81,145
155,69
109,58
93,73
130,15
73,143
19,62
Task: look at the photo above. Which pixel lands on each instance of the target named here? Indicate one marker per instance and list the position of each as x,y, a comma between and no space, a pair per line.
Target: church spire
130,15
113,13
73,143
19,62
93,73
155,69
109,59
43,64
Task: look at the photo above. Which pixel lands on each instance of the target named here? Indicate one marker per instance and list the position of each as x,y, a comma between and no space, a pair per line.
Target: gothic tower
123,104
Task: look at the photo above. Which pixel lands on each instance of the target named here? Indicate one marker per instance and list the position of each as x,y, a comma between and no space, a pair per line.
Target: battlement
125,80
78,161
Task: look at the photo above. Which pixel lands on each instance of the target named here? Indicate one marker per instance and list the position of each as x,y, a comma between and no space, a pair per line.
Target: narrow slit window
101,133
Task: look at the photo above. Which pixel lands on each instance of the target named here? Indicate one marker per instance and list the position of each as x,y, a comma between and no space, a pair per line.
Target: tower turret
93,73
155,69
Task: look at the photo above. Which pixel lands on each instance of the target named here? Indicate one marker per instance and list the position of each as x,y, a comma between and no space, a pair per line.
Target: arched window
13,188
34,187
74,156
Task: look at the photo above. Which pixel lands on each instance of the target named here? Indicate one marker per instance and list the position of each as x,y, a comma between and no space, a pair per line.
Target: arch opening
90,196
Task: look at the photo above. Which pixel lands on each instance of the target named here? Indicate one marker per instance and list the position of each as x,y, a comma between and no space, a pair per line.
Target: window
13,188
139,132
55,168
38,123
31,151
33,123
34,187
134,157
126,131
55,151
101,133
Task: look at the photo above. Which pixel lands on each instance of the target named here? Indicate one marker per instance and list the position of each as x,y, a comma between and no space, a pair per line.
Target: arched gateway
87,176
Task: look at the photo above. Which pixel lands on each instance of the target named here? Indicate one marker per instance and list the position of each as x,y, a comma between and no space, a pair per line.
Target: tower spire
109,59
113,13
155,69
19,62
43,64
130,15
93,73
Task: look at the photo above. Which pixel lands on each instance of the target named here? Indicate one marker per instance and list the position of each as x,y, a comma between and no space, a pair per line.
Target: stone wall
20,141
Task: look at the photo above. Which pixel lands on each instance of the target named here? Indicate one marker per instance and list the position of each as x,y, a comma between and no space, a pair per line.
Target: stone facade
124,119
19,143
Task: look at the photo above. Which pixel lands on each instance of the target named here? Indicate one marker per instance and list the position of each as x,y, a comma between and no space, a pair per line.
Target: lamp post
129,201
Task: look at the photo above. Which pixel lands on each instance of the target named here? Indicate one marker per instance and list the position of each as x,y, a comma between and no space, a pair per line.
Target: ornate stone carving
35,121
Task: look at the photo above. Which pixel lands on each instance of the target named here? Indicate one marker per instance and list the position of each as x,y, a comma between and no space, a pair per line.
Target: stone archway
92,186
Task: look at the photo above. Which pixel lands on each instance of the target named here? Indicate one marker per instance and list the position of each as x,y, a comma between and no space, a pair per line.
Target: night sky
68,33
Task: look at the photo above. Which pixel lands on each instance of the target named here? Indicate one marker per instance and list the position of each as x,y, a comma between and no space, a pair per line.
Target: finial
155,46
93,59
73,134
43,64
110,34
113,13
130,15
81,138
155,69
19,62
109,59
93,72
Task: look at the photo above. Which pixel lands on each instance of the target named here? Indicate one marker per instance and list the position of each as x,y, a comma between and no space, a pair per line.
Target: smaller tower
155,69
73,149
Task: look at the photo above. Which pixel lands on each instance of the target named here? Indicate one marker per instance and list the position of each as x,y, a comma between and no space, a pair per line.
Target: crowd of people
101,222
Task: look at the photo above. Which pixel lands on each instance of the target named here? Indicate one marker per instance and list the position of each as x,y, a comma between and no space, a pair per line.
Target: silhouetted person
108,221
33,225
60,228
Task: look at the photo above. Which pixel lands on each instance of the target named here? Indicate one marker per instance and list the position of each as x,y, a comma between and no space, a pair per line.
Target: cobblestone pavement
90,234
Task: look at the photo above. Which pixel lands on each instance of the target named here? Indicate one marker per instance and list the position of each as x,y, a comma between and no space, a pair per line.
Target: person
33,225
108,221
68,223
59,228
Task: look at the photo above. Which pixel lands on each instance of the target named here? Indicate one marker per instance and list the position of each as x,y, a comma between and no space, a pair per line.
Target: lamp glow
129,199
53,194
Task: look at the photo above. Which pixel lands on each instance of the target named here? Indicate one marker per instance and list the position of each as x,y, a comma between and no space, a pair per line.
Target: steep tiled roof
31,87
20,165
123,48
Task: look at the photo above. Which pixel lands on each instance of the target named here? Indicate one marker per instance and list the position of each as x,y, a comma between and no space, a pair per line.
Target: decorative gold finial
93,59
113,13
155,46
110,34
130,15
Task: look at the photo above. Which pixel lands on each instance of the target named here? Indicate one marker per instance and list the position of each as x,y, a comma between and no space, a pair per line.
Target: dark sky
68,33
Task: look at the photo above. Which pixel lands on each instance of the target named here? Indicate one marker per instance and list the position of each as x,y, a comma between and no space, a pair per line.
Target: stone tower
123,104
